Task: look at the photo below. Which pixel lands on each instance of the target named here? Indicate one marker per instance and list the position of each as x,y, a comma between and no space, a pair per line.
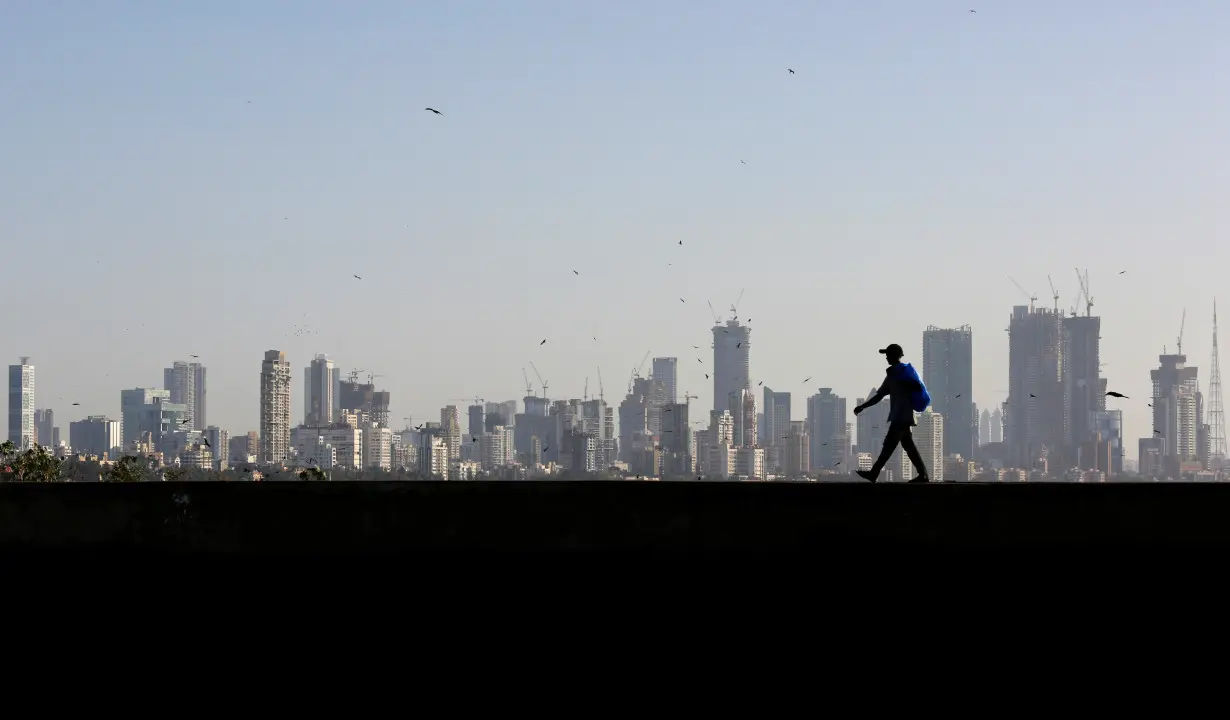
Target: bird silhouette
789,71
1112,393
434,111
682,300
574,272
680,242
806,379
544,342
76,403
1032,395
356,277
706,376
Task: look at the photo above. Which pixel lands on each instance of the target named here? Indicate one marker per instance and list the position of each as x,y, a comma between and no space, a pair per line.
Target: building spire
1216,412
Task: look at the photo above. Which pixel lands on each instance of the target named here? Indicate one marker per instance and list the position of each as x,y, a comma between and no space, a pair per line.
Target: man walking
898,385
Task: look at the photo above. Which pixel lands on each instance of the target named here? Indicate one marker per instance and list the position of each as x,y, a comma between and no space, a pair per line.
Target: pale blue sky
920,155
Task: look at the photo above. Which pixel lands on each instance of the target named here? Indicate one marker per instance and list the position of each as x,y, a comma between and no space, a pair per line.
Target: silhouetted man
898,386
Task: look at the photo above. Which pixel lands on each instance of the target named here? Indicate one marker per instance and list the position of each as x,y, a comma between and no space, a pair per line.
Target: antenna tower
1217,413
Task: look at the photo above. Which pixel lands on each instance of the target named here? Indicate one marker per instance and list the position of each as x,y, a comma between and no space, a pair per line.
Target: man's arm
874,399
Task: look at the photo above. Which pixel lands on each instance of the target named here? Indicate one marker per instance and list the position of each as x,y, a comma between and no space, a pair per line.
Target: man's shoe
866,475
921,479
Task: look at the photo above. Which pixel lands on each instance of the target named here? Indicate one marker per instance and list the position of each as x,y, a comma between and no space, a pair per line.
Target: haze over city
210,180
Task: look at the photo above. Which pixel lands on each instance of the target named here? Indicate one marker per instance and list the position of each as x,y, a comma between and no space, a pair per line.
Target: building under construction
363,397
1035,416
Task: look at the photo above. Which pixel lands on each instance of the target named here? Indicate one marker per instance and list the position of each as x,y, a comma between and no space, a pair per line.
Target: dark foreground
346,518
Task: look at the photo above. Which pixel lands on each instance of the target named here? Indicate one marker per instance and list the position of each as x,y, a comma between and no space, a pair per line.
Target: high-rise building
929,438
742,407
219,444
666,370
826,419
871,426
150,410
777,428
948,372
997,426
1216,416
199,418
1084,395
1035,417
275,407
95,435
45,427
477,417
798,450
731,361
22,432
319,383
1175,413
450,424
186,383
984,428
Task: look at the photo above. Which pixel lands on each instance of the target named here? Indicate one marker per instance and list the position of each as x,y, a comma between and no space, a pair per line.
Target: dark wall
346,517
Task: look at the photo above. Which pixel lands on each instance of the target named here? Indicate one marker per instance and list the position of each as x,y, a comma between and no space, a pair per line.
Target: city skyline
269,159
322,379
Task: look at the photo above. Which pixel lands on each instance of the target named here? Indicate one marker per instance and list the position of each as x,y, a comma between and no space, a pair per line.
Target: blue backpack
920,398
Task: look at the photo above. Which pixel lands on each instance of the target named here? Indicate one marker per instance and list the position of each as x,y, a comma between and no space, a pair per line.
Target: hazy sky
185,178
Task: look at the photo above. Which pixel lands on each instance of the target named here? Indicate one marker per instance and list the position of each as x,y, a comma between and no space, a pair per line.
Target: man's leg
891,438
911,450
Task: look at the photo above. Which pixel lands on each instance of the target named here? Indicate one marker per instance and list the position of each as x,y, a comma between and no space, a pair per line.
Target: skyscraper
275,407
948,372
984,428
21,404
1083,392
186,383
826,418
777,428
731,361
1175,416
1034,419
929,438
666,370
45,427
319,382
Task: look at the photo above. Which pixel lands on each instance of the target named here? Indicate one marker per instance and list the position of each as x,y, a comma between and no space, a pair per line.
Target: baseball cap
893,349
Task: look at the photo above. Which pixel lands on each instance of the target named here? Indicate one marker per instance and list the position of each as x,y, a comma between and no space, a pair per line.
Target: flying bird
682,300
789,71
195,356
1112,393
76,403
836,463
760,383
356,277
574,272
1032,395
544,342
738,344
206,441
706,376
680,242
440,113
957,396
1157,432
806,379
1122,271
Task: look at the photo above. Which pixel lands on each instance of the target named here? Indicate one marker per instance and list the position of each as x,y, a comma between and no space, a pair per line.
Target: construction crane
601,392
585,392
371,377
1182,324
1032,296
529,389
476,400
688,397
717,320
734,309
541,382
1054,293
1084,281
354,376
636,371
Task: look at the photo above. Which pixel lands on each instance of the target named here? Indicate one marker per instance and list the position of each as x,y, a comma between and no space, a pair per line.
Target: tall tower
948,371
319,401
21,405
731,361
1216,412
666,369
181,381
275,407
